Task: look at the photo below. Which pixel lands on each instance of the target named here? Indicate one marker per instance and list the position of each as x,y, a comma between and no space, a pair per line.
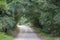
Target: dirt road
26,33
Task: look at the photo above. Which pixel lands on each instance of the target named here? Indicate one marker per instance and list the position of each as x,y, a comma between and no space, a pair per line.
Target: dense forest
43,14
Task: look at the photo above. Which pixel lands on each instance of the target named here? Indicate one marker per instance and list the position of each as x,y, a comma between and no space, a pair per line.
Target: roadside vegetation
4,36
45,36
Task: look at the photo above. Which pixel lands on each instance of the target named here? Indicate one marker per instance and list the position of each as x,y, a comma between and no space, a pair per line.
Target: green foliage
2,4
6,20
50,19
8,23
5,37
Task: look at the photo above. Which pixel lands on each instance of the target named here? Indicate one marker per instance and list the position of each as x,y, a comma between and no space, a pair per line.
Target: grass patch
3,36
45,36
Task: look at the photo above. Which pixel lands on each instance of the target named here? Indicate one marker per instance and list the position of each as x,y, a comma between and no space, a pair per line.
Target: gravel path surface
26,33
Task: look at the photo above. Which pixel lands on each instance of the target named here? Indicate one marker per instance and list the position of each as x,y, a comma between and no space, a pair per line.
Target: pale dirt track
26,33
